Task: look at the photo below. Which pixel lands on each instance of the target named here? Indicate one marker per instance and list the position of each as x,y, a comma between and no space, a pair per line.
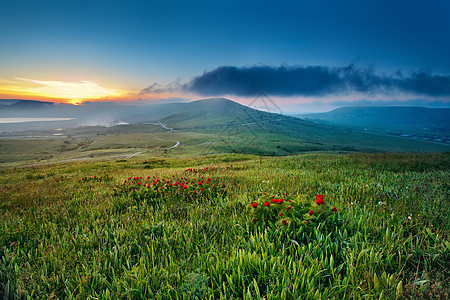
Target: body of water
24,120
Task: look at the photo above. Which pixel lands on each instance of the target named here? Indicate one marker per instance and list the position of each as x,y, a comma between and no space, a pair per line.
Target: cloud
156,88
319,81
68,90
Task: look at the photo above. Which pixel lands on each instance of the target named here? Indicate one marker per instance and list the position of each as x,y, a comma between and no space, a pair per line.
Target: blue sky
122,47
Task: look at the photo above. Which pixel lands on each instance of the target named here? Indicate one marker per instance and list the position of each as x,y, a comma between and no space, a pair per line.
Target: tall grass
82,232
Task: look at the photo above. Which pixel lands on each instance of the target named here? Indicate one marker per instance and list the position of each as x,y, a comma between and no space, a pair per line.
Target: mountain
431,124
24,104
214,112
220,125
244,129
392,117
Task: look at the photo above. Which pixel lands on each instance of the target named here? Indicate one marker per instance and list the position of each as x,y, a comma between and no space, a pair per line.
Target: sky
305,55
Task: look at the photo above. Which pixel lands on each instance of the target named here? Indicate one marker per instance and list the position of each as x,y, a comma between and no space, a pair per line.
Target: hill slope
419,122
244,129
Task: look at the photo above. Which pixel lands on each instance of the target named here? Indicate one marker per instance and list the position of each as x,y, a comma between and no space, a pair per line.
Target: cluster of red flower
155,189
205,169
319,201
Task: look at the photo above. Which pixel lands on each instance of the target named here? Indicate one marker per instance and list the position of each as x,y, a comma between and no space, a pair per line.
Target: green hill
420,122
188,129
246,130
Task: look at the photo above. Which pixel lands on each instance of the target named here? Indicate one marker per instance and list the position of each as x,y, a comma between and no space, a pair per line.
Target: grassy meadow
229,226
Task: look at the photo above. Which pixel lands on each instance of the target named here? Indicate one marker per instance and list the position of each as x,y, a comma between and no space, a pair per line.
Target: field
228,226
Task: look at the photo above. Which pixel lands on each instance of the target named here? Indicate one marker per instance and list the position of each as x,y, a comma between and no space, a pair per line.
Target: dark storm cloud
307,81
314,81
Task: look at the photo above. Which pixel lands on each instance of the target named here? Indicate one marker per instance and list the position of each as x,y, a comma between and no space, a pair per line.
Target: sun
75,102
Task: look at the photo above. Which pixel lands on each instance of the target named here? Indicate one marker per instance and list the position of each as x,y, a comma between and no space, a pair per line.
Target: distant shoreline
25,120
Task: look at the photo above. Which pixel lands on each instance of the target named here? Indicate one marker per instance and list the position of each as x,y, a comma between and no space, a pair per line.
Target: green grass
79,231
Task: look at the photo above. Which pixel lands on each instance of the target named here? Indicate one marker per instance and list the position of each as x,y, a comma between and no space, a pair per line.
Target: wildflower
284,222
280,214
319,199
334,209
310,212
194,192
254,204
306,222
267,203
288,208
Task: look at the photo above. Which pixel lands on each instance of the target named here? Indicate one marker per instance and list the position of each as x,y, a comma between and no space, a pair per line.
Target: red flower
310,212
184,187
319,199
194,192
306,222
255,220
280,214
274,200
254,204
334,209
288,208
284,222
267,203
280,201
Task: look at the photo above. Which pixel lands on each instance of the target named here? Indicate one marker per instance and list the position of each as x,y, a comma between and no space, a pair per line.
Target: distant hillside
385,116
18,103
414,122
214,112
219,125
251,131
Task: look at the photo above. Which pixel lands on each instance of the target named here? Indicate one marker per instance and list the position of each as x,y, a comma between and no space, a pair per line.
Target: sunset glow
74,92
